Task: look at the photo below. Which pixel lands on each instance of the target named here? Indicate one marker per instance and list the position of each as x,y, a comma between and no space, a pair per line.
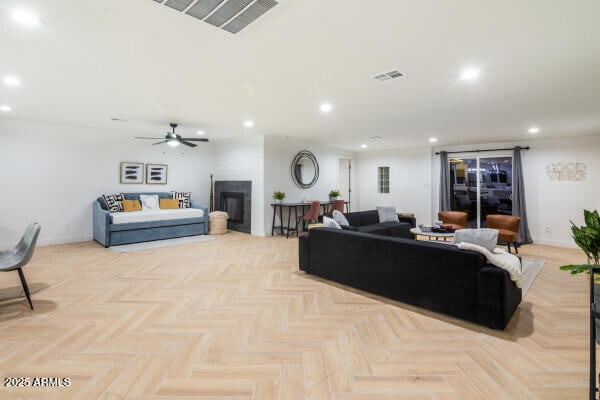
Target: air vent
227,11
386,76
203,7
230,15
179,5
250,14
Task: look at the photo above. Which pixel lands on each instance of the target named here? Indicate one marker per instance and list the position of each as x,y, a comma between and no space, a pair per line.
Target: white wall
241,159
549,203
410,181
52,174
279,152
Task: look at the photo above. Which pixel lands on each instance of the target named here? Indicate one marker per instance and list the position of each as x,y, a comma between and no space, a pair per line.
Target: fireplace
235,198
233,204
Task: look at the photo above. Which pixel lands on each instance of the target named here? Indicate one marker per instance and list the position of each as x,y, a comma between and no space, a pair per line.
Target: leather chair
457,219
311,215
337,205
19,256
508,228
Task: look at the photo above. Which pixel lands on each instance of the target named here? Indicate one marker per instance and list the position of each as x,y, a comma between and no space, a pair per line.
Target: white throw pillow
149,202
387,214
331,223
486,238
340,218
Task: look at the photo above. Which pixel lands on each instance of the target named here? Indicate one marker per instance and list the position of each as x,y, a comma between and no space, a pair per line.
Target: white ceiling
93,60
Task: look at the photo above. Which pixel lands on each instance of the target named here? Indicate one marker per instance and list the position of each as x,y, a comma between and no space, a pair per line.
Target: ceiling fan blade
187,143
164,141
145,137
195,139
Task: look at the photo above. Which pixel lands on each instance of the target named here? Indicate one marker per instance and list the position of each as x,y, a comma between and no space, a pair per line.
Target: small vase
277,201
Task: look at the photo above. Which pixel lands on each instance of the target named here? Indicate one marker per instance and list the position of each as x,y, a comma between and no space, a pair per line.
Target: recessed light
363,146
533,130
326,107
432,140
200,132
11,81
470,74
248,124
5,108
25,17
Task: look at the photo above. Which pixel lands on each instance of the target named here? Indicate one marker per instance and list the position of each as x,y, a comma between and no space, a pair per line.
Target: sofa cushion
156,215
168,204
114,202
360,218
339,218
398,229
183,197
149,202
131,205
375,229
387,214
486,238
330,223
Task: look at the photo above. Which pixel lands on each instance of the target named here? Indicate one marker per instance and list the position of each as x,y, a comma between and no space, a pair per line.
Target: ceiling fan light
173,143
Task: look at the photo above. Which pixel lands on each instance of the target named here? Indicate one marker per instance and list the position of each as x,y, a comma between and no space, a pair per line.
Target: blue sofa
109,234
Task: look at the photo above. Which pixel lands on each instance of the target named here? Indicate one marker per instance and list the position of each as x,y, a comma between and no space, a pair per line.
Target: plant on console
334,194
277,195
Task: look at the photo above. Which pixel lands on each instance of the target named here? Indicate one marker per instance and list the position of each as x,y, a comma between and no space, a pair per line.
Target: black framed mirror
304,169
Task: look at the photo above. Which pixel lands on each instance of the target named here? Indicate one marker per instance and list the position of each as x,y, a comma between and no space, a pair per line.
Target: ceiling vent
230,15
386,76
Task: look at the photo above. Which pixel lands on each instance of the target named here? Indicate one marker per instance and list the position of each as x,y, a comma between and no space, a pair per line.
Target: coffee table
437,235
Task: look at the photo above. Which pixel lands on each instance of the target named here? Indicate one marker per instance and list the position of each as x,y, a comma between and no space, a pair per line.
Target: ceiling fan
173,139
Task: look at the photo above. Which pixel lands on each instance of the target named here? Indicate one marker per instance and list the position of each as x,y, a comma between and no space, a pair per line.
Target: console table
303,206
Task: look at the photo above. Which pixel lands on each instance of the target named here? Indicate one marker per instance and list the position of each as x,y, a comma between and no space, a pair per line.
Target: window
383,180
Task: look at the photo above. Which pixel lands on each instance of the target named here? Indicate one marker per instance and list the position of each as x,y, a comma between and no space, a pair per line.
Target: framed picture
156,174
132,172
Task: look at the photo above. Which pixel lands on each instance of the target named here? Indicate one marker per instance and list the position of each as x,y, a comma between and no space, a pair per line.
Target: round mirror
305,169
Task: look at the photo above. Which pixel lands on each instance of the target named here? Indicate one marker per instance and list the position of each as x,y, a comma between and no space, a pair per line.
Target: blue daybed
108,233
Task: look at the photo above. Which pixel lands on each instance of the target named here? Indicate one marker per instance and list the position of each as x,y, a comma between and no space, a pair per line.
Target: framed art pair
133,173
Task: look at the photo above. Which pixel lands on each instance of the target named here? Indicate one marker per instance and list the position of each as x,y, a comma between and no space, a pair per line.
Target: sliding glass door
480,186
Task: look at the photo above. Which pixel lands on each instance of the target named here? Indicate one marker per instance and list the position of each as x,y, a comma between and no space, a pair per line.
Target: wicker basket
217,223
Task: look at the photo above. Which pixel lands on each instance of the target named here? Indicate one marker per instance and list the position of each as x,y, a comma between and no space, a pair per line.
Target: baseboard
64,240
556,243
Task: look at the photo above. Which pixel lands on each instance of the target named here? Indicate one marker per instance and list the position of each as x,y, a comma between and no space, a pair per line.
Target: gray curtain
444,182
518,199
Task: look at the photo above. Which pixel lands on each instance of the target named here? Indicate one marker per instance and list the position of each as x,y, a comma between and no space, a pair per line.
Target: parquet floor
235,319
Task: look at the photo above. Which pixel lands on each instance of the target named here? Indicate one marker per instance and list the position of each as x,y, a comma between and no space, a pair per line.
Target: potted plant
588,239
278,196
333,195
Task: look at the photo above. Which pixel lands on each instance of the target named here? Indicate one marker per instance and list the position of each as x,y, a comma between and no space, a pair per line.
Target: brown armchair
457,219
508,228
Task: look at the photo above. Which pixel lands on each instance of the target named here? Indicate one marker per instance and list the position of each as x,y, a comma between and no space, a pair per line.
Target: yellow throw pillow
132,205
169,203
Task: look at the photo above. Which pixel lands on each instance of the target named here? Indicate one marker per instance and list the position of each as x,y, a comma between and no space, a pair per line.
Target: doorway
345,170
481,186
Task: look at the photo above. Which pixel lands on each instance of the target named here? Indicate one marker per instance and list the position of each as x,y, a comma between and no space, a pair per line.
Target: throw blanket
500,258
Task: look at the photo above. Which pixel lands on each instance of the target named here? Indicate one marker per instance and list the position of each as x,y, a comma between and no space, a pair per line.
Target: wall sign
570,171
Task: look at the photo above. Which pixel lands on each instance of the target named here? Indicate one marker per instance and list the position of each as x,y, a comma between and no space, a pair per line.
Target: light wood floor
235,319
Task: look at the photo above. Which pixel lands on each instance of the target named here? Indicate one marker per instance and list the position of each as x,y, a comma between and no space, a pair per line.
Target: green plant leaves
588,239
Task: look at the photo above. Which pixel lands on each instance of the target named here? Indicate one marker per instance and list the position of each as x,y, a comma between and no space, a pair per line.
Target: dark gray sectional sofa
434,276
